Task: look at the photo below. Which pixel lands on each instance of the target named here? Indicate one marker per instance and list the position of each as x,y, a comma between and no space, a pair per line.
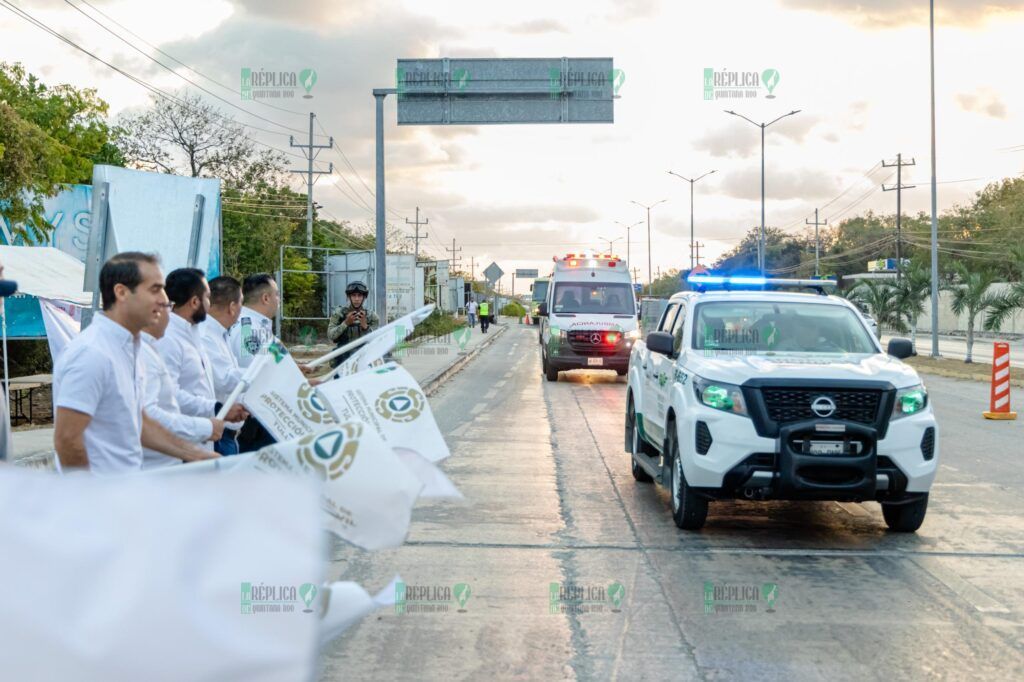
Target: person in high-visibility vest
485,315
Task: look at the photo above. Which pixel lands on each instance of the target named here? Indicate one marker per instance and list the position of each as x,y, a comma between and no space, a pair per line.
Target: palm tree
1013,299
971,295
882,299
912,290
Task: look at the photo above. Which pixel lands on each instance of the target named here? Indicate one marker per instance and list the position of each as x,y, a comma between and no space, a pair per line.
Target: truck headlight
632,335
910,401
719,395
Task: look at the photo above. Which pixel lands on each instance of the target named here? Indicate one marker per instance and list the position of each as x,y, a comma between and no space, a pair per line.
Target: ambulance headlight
632,335
720,396
910,401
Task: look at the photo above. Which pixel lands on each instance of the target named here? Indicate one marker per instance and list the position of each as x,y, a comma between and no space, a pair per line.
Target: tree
189,136
971,296
912,290
1012,300
49,136
882,299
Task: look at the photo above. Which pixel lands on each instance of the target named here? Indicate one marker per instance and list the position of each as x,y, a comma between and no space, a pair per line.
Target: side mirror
660,342
542,310
639,315
901,349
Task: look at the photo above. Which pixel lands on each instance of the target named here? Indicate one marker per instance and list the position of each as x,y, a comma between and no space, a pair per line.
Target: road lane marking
500,383
491,394
478,408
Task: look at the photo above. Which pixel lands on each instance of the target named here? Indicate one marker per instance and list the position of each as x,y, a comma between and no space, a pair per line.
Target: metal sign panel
483,91
526,274
493,273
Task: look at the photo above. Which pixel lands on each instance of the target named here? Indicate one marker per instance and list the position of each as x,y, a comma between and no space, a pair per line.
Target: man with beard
182,349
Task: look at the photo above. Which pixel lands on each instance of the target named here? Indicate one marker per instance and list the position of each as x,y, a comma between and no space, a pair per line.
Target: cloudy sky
857,70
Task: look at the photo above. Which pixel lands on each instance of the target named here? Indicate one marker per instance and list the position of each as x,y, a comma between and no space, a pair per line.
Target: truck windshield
594,297
540,290
766,327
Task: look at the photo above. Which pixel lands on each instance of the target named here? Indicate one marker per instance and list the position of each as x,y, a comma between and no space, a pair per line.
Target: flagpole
243,384
424,311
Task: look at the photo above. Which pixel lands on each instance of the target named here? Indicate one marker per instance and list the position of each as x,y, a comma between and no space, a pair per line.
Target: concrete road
549,499
955,347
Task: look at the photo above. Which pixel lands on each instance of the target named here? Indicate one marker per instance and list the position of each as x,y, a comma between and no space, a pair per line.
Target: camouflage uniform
341,333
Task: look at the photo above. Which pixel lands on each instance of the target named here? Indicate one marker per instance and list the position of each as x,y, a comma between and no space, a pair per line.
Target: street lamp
610,242
650,279
762,255
629,263
692,242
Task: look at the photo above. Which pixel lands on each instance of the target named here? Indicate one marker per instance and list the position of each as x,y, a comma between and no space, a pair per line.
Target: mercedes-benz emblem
595,339
823,406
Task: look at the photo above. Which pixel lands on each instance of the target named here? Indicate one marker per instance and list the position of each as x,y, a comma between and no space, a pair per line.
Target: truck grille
592,342
794,404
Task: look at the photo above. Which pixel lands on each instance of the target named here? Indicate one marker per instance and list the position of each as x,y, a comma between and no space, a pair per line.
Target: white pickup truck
766,394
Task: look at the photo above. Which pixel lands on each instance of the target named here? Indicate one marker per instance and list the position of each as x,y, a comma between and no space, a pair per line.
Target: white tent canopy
45,272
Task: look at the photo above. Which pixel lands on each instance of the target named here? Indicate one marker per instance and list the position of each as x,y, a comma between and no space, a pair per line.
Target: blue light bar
728,281
706,279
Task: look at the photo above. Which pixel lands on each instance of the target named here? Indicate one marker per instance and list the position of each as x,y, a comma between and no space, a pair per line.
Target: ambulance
589,319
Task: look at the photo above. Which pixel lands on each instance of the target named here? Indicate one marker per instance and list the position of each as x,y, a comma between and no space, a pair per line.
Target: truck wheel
622,371
550,372
905,518
689,510
635,444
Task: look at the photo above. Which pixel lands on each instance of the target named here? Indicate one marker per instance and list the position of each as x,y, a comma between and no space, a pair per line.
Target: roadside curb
434,382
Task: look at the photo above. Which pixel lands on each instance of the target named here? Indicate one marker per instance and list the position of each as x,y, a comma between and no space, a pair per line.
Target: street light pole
692,182
650,278
629,263
610,242
762,256
935,221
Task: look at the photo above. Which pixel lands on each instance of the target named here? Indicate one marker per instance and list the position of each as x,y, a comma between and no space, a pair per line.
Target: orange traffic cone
999,402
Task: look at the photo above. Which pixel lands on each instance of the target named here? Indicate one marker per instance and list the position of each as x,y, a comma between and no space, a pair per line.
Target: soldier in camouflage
350,322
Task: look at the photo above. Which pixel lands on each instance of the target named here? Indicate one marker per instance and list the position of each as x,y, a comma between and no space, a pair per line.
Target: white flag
377,343
60,323
282,400
347,603
390,401
152,578
367,494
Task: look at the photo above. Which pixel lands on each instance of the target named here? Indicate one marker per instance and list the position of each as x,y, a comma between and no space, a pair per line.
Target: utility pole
899,187
636,274
454,260
697,246
472,269
310,156
417,223
691,209
817,241
650,279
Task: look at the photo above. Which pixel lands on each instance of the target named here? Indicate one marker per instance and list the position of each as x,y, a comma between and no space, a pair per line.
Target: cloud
779,184
538,26
891,13
983,101
741,139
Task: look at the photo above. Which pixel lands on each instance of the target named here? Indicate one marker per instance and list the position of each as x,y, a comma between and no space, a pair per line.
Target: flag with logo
382,341
346,603
367,493
281,398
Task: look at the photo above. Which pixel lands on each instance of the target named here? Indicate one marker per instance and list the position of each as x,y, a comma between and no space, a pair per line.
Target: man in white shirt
98,381
182,350
225,308
161,404
471,314
249,338
255,329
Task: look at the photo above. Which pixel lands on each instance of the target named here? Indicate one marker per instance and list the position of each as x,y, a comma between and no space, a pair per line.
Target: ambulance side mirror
542,310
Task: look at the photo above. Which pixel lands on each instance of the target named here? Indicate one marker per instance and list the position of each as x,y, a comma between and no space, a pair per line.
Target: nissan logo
823,406
595,339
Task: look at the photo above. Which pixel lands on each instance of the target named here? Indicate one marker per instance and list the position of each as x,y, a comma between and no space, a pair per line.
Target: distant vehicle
539,290
763,394
589,318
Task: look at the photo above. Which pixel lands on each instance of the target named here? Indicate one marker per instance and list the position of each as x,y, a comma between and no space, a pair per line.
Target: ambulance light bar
728,282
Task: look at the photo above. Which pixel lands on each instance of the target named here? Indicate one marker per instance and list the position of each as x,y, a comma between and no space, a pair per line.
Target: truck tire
689,510
905,518
634,444
550,373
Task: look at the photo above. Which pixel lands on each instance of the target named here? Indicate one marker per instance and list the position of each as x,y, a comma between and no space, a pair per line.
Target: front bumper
562,356
741,463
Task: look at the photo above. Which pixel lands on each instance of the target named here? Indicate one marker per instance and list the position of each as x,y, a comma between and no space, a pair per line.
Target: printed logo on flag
311,407
278,351
331,454
400,404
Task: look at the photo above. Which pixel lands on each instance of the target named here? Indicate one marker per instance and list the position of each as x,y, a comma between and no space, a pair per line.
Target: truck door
654,367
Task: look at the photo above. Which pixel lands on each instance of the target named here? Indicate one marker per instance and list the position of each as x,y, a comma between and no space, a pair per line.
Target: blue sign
70,213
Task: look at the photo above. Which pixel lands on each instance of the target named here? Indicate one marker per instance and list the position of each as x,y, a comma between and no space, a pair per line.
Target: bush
439,323
513,309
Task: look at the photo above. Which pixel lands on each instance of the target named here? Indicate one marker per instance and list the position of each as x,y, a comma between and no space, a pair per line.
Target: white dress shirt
100,373
226,372
188,366
250,336
162,405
